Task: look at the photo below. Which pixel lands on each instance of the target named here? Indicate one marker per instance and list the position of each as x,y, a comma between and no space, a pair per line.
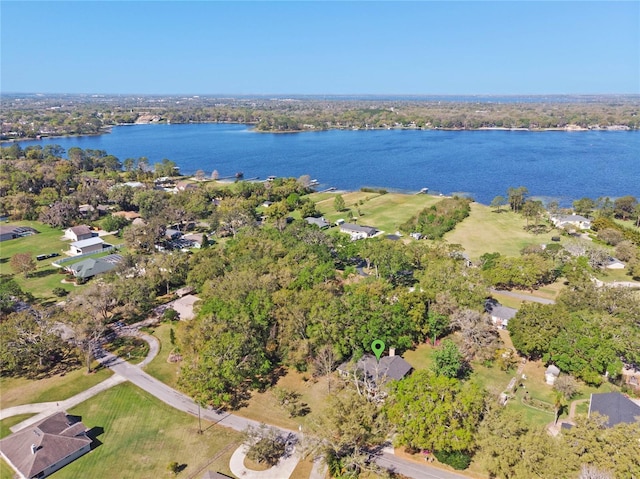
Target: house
373,373
186,185
41,449
617,408
614,263
319,222
358,231
8,232
129,215
196,239
500,315
551,374
172,234
575,221
184,306
86,246
91,267
78,233
631,377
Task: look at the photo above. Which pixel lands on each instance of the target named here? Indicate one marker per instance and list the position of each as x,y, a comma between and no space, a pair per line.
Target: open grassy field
485,231
385,212
17,391
141,435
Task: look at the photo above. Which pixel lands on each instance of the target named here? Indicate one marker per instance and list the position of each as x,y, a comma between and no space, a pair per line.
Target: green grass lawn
9,422
46,277
17,391
385,212
160,368
141,435
485,231
132,349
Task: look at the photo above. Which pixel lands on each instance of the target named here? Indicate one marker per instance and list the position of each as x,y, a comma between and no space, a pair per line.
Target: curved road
133,373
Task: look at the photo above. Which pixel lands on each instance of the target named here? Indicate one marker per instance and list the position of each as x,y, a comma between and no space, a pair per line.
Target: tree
446,416
534,326
114,223
448,360
498,202
266,444
344,432
566,385
624,207
30,345
480,338
532,209
338,203
516,197
584,206
23,263
60,214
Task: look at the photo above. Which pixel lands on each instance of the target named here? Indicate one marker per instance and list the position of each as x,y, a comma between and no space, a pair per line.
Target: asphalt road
184,403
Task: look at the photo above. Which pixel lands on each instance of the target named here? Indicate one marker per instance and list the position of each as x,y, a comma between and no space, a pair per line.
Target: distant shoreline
107,129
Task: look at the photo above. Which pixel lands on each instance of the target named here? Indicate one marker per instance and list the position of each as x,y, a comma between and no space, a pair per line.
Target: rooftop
618,408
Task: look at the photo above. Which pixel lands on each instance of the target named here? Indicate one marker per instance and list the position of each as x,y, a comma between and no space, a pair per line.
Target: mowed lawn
140,436
385,212
159,367
486,231
46,277
16,391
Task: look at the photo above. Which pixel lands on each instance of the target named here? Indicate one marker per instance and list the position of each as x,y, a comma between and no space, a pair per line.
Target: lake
554,165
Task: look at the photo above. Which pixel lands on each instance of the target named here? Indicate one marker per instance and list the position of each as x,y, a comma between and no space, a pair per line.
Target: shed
551,374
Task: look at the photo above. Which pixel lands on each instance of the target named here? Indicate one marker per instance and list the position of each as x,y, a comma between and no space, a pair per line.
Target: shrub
459,460
60,292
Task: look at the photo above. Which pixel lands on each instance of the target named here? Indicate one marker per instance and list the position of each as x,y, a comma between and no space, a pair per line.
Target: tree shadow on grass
43,273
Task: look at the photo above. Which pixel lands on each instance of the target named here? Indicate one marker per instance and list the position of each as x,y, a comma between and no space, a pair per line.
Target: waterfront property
358,231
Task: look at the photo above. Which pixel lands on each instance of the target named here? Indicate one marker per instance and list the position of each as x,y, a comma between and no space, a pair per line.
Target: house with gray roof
374,374
500,315
8,232
616,407
358,231
39,450
93,266
319,222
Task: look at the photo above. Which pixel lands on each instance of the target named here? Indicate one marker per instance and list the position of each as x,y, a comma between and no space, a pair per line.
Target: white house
614,263
575,221
91,245
357,231
78,233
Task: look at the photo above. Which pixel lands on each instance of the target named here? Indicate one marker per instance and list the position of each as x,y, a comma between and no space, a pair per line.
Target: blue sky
320,47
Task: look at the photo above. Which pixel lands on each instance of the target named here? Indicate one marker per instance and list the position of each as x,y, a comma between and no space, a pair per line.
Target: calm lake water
553,165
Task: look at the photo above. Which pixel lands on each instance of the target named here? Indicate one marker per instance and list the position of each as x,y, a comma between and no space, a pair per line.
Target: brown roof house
41,449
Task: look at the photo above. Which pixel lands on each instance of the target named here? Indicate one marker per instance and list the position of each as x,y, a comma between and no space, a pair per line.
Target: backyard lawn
139,436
